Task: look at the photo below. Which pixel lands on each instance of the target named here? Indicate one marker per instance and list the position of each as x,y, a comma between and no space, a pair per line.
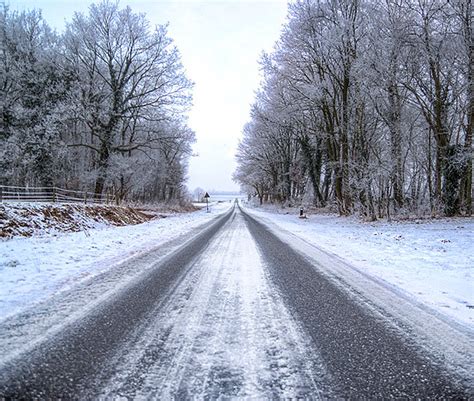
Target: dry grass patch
27,220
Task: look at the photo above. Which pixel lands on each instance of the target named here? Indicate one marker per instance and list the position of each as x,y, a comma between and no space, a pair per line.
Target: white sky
220,43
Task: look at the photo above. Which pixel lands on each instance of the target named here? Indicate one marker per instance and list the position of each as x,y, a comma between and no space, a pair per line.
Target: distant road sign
207,202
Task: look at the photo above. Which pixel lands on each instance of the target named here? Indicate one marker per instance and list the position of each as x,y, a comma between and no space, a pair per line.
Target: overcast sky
220,43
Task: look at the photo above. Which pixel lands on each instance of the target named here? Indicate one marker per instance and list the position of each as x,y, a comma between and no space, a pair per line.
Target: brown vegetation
27,220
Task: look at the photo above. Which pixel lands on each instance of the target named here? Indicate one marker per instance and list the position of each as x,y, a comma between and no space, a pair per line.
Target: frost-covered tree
101,107
436,89
129,80
374,99
198,194
32,96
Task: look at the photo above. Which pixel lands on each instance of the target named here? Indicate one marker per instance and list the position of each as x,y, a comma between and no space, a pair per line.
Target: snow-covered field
431,260
33,269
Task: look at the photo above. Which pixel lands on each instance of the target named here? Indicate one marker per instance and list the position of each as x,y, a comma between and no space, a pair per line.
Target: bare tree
126,74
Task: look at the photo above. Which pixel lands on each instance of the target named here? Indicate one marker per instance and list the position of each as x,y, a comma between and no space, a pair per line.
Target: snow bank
432,260
28,219
32,269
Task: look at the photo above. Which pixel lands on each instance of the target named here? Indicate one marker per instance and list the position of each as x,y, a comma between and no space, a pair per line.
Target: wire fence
10,194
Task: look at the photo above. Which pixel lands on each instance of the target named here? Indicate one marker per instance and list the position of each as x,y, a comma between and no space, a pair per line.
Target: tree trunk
394,117
103,164
370,199
313,161
470,113
429,174
346,206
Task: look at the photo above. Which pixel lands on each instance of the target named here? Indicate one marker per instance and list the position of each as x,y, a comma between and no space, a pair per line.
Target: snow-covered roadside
432,261
33,269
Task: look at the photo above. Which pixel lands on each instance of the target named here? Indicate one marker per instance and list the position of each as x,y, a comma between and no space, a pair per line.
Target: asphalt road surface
234,312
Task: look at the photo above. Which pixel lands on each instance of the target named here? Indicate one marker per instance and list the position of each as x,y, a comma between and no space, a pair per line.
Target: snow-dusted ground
431,260
33,269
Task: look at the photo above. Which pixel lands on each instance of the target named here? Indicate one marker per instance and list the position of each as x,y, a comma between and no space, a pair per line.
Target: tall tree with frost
126,72
32,91
374,99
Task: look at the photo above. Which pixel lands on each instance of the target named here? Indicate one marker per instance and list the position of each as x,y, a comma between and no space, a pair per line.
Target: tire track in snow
224,332
76,360
364,355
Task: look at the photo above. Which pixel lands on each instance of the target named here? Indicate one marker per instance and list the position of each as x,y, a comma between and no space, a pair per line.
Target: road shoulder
440,336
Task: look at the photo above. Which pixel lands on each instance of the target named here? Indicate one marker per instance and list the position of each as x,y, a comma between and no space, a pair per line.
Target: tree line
100,107
366,106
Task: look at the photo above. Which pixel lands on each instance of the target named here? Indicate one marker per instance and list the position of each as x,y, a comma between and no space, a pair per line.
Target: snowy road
234,312
223,332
